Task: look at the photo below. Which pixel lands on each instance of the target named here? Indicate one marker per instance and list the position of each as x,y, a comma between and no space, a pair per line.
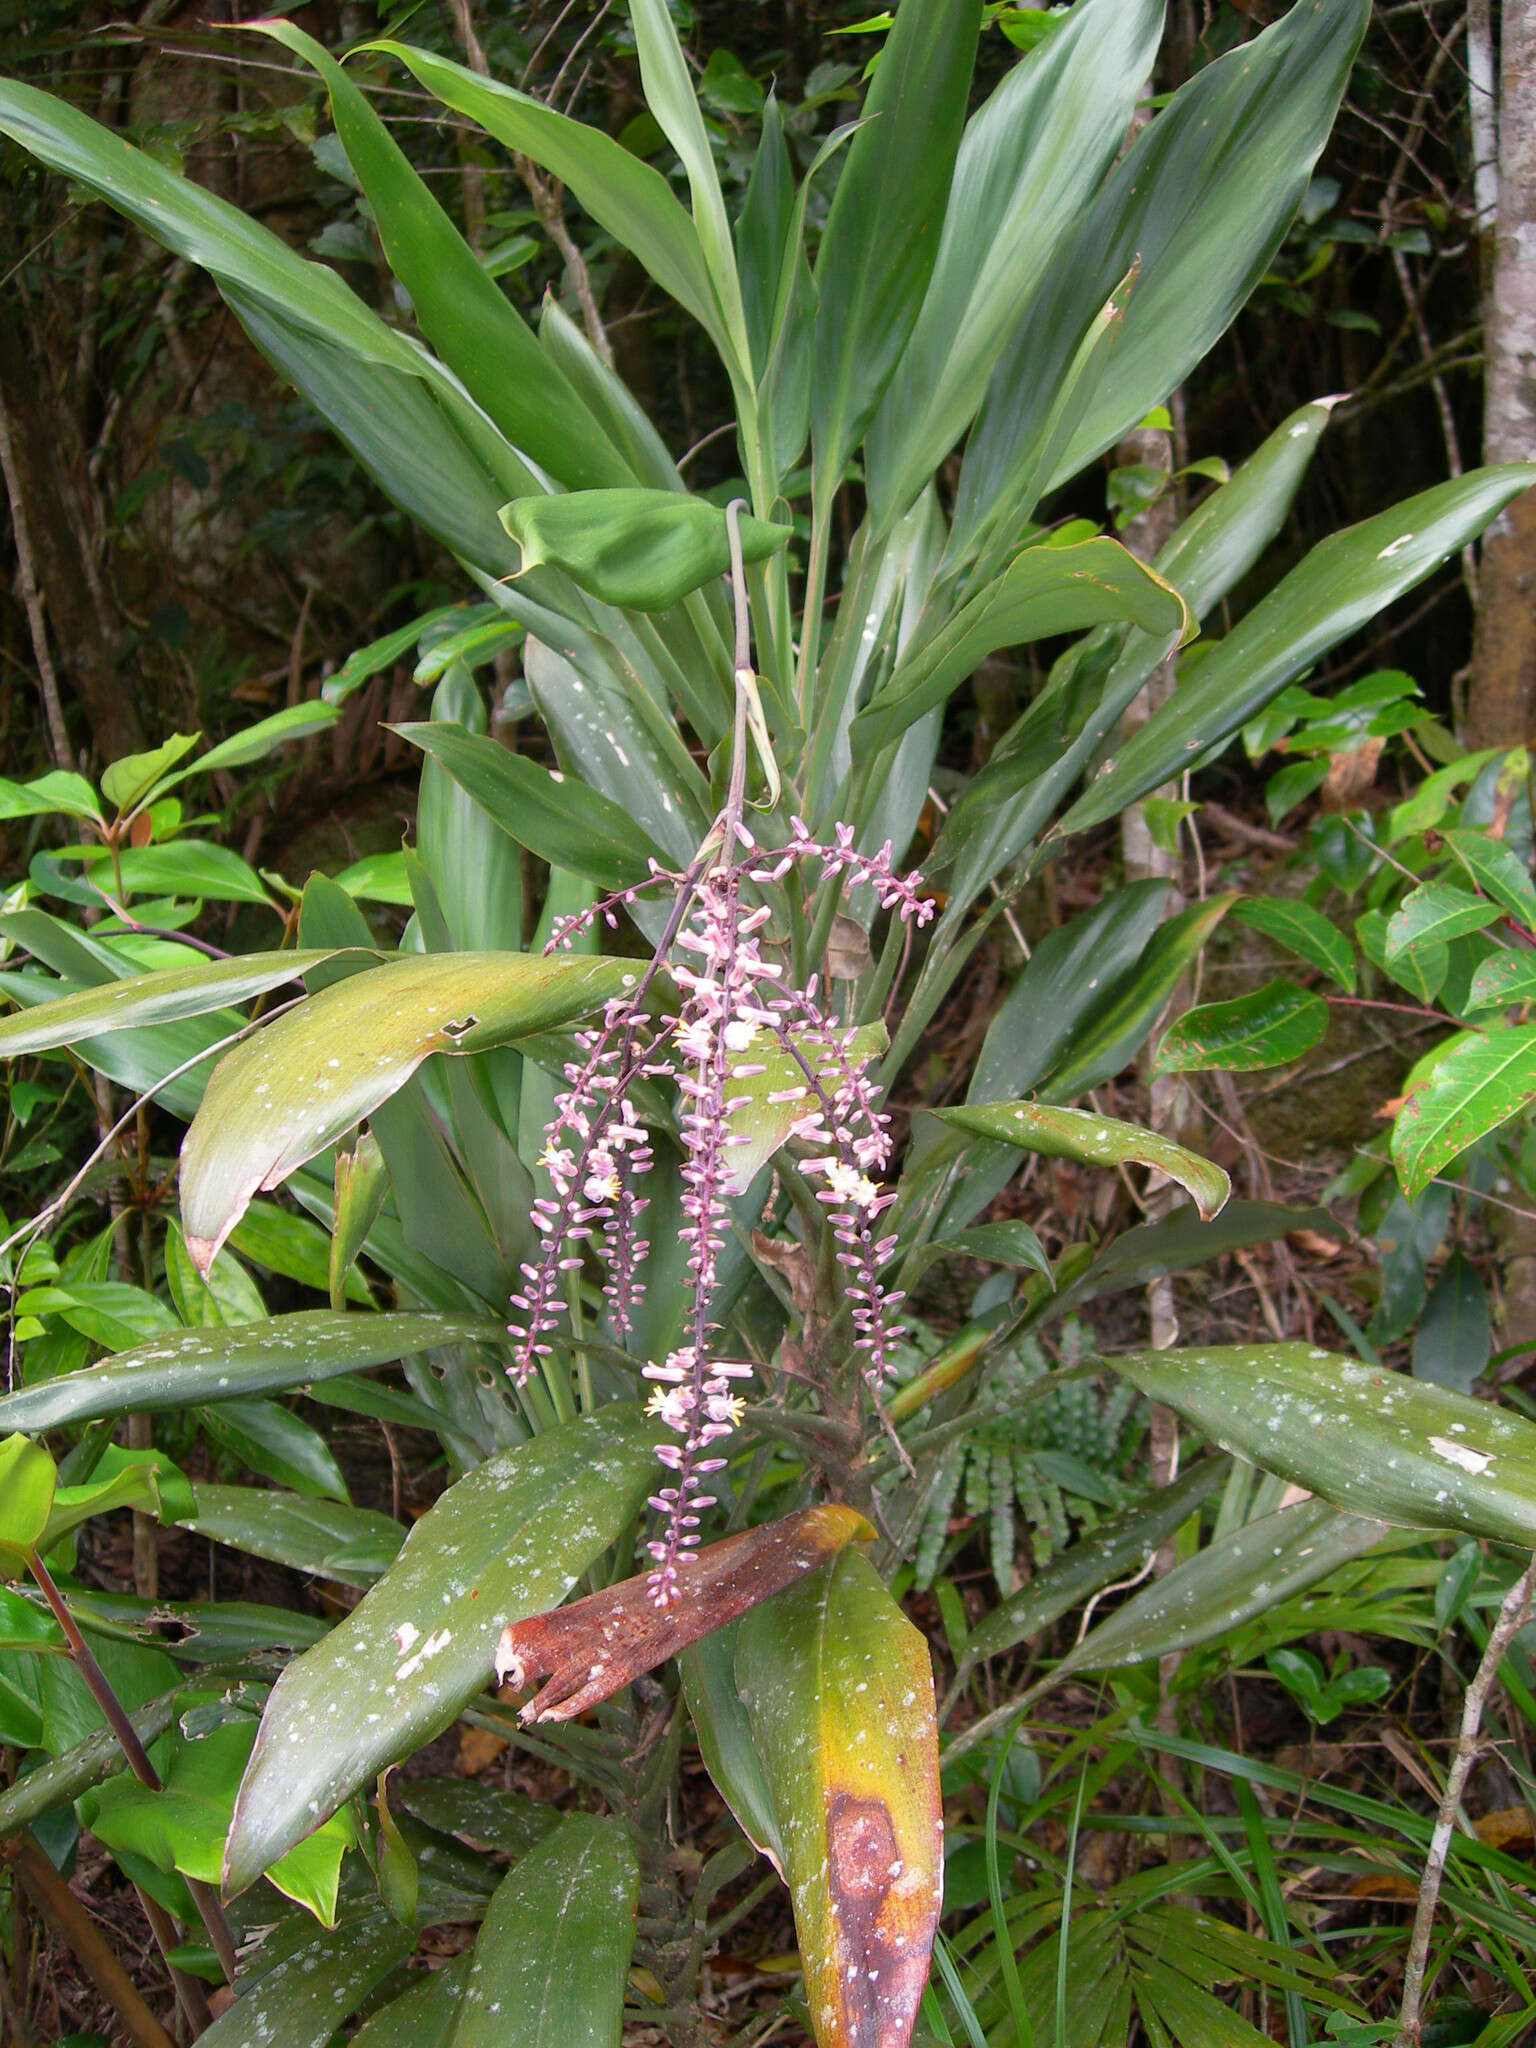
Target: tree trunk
86,637
1502,700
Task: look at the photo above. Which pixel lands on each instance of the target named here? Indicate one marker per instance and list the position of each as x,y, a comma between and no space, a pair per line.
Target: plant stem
72,1922
205,1898
1512,1616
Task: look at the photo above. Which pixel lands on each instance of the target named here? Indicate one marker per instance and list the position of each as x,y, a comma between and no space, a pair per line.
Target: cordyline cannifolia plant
743,766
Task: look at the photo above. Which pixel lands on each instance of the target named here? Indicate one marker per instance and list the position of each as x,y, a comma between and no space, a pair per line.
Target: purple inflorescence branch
734,1007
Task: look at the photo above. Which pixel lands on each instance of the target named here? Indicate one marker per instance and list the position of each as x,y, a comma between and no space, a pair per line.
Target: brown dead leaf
1315,1243
478,1750
1508,1827
1351,775
1383,1884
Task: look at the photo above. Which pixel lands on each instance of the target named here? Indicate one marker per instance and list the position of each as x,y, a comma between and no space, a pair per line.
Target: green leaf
1276,1023
1371,1441
283,728
62,1780
122,1478
1177,1242
633,202
640,549
308,1078
463,313
1044,591
839,1691
509,1540
1198,204
1302,931
181,867
761,1125
1028,160
424,2016
708,1672
1453,1342
1498,872
328,1538
160,998
1509,977
266,1438
1244,1573
555,816
303,1998
57,791
362,1181
126,782
1480,1083
1116,1547
1096,1141
1339,586
27,1478
1435,913
1421,971
507,1822
190,1368
552,1956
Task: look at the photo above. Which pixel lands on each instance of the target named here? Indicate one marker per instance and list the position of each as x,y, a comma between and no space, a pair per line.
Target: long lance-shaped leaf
1029,159
1199,204
882,233
303,1998
1341,585
193,1367
1096,1141
1043,592
307,1079
552,1957
840,1694
460,308
1478,1085
160,998
1395,1449
622,194
555,816
352,1545
509,1540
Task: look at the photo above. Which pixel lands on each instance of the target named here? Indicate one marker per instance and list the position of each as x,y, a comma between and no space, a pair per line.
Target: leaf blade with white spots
1095,1141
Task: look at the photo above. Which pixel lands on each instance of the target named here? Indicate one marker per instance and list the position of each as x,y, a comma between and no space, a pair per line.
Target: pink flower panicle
596,1147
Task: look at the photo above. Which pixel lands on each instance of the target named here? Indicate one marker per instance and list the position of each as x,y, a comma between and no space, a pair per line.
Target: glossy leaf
508,1540
267,1438
1497,871
1044,591
1180,1241
293,722
1434,914
553,815
644,550
27,1478
552,1956
508,1822
1479,1084
761,1125
1118,1546
188,1368
304,1997
1095,1141
708,1672
1509,977
308,1078
1273,1024
1394,1449
59,791
1028,160
1244,1573
159,998
422,2017
882,234
180,867
1454,1341
1303,931
128,780
1339,586
63,1778
839,1690
328,1538
1421,971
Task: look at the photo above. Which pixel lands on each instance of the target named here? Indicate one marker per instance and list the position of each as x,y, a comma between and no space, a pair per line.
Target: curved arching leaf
1095,1140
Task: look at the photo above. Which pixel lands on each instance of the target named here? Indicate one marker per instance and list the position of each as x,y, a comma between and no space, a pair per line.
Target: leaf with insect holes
593,1648
308,1078
1276,1023
1482,1082
839,1691
1095,1141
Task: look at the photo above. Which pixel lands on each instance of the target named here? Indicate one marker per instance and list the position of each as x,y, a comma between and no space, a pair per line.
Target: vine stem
1512,1616
204,1896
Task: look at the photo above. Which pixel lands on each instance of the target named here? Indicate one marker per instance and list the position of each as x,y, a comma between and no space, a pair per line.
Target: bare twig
1512,1615
32,600
71,1921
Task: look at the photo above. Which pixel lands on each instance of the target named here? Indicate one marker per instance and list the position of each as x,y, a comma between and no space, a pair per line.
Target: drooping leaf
553,815
1302,931
1497,871
1273,1024
1340,585
509,1539
708,1672
593,1648
188,1368
1509,977
268,1438
63,1779
308,1078
1480,1083
1095,1140
27,1478
839,1690
305,1996
329,1538
1390,1448
637,548
1453,1342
